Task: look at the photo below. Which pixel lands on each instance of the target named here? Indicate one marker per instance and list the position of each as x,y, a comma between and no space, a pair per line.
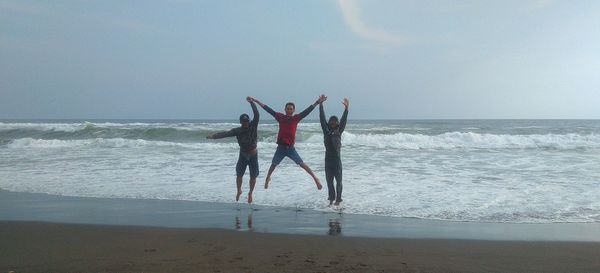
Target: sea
504,171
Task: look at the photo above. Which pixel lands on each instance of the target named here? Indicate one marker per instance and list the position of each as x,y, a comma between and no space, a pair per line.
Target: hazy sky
392,59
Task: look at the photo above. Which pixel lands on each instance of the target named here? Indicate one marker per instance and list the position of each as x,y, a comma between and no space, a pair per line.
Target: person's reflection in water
250,222
335,227
238,223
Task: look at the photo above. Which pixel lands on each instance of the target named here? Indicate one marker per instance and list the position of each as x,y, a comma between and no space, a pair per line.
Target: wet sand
49,233
15,206
53,247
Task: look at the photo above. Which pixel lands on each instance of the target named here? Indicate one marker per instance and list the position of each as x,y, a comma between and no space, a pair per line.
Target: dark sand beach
47,233
51,247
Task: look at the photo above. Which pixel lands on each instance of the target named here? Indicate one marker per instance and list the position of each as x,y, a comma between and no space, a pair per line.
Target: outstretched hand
346,103
322,98
253,99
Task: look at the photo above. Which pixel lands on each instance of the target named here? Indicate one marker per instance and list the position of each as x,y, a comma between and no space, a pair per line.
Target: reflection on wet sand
238,223
329,223
335,227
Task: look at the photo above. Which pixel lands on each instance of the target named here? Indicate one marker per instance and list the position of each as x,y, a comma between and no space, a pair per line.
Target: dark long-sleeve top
288,124
246,137
332,137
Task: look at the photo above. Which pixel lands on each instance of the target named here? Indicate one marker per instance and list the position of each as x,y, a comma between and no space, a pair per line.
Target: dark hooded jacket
246,137
332,137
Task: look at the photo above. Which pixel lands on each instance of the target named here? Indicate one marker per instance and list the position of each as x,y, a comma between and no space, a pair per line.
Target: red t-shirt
287,128
288,125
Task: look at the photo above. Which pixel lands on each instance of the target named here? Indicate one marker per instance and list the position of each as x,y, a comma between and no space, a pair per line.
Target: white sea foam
452,175
454,140
73,127
65,127
24,143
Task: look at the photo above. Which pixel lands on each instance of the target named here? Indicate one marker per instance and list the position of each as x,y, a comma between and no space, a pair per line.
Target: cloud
351,11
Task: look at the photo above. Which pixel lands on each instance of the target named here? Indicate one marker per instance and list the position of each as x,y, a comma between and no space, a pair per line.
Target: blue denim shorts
289,151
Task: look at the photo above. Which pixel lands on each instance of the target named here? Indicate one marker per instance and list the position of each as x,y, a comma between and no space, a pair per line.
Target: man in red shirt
286,138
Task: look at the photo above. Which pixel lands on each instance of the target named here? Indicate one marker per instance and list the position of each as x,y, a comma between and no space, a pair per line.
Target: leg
253,165
252,184
268,179
309,171
338,179
240,169
277,158
338,186
329,178
330,188
292,154
238,181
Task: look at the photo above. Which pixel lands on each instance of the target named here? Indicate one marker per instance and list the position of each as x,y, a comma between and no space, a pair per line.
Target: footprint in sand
284,255
218,248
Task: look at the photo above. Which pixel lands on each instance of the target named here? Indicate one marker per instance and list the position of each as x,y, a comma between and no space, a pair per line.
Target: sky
459,59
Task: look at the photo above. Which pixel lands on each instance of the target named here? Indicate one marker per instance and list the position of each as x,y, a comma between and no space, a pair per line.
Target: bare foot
336,204
237,197
249,198
330,202
267,180
318,183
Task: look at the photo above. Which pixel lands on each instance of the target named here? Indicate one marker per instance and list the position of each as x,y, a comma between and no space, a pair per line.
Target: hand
322,98
211,136
346,103
257,102
250,99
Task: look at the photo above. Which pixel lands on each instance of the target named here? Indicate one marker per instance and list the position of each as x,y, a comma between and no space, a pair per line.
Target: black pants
333,169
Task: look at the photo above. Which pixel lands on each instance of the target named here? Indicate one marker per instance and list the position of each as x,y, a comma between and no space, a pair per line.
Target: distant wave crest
163,134
106,143
455,140
182,132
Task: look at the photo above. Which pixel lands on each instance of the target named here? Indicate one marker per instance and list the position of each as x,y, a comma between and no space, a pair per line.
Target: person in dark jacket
286,137
246,136
332,134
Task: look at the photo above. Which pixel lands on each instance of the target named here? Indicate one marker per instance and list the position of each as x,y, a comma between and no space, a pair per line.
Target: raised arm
309,109
264,106
322,118
256,115
346,104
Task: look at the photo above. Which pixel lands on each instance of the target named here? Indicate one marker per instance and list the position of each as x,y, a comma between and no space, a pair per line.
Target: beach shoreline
50,233
39,207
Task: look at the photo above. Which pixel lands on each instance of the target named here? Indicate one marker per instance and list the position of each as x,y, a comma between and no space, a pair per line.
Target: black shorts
244,160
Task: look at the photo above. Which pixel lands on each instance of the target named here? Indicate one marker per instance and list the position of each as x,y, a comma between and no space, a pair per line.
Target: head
334,122
244,120
290,107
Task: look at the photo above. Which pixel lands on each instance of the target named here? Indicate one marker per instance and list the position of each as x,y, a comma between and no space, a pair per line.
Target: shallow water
516,171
